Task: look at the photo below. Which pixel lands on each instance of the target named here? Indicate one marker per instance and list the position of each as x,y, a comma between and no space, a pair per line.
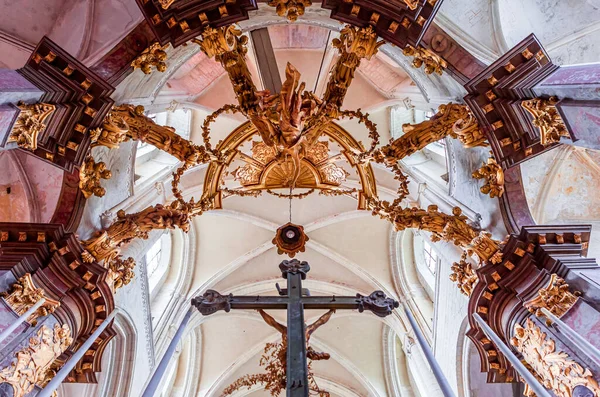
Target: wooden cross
295,299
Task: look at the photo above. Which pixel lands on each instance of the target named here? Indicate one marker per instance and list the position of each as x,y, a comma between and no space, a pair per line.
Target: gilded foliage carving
493,175
547,119
422,56
30,123
153,56
105,245
556,297
453,228
120,272
23,294
90,175
32,363
556,370
292,9
452,120
464,275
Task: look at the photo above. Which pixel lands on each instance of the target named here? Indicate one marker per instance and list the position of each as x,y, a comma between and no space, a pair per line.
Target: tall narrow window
431,257
153,258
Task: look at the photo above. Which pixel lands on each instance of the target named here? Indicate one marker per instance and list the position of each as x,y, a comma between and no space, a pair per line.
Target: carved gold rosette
292,9
547,119
153,56
421,56
554,369
32,364
30,123
23,294
493,175
555,297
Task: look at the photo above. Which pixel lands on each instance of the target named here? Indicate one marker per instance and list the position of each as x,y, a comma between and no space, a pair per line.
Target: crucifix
295,299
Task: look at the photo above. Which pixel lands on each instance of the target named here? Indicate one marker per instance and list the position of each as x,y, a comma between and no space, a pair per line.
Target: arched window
426,263
157,261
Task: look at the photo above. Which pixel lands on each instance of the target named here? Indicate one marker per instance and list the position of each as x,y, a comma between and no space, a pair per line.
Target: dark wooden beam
265,59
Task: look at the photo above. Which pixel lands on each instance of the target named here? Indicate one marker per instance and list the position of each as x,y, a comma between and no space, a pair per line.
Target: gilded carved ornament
422,56
453,228
165,4
33,362
105,245
547,119
452,120
464,275
292,9
23,294
29,124
555,370
90,175
153,56
556,297
120,272
493,175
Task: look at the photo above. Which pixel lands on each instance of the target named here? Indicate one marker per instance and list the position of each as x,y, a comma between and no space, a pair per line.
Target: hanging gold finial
493,175
90,175
290,8
464,275
422,56
154,55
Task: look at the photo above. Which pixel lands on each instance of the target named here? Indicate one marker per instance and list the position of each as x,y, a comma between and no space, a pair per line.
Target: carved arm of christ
295,299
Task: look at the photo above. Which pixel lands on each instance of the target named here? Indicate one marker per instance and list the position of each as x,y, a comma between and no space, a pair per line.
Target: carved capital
422,56
547,119
29,124
211,302
153,56
554,297
377,303
294,266
23,294
493,175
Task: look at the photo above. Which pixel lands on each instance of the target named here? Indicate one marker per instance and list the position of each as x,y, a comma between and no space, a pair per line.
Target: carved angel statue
274,360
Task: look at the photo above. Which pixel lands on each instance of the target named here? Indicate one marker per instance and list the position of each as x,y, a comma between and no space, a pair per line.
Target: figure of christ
274,360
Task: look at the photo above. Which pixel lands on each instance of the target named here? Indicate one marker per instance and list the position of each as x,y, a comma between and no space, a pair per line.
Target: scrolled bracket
211,302
378,303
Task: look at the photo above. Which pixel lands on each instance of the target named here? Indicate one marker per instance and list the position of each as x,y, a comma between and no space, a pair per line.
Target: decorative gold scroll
547,119
262,171
556,370
153,56
32,362
556,297
493,175
23,294
422,56
29,124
